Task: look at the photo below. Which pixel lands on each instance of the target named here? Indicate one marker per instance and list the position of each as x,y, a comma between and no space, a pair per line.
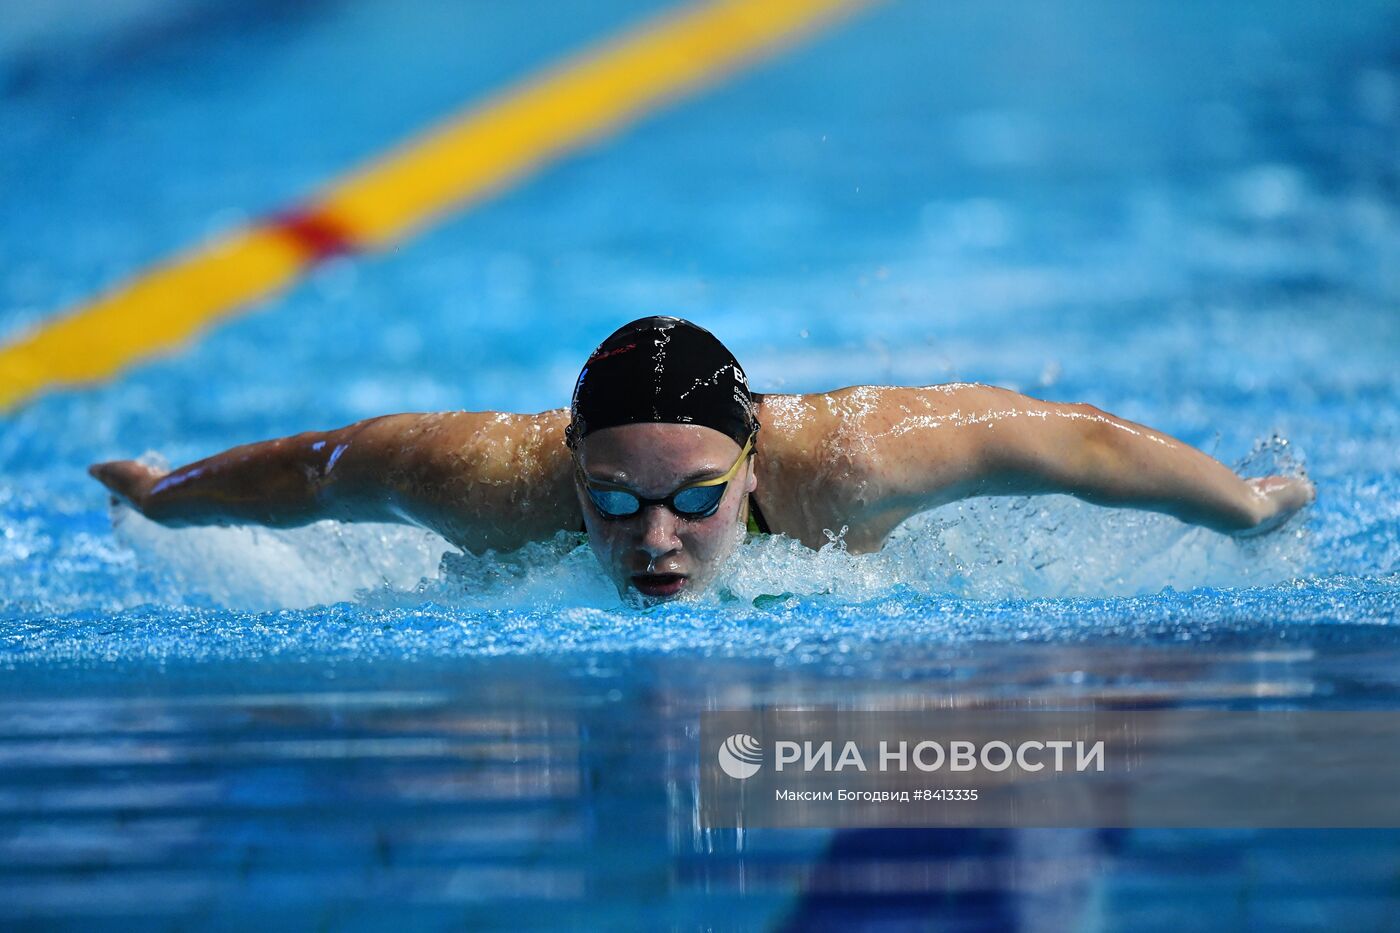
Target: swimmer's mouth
659,584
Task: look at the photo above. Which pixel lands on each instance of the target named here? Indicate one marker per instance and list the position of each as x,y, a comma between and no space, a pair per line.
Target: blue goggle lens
695,502
614,503
698,500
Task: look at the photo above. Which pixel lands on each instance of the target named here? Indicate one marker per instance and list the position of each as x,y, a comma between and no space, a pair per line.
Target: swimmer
664,456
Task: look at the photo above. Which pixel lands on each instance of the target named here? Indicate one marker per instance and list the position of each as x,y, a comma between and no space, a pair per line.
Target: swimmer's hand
1276,499
128,480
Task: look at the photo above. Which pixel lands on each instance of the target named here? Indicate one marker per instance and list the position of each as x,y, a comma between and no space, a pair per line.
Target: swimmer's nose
658,531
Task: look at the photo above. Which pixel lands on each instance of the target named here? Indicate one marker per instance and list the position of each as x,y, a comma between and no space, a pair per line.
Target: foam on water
261,568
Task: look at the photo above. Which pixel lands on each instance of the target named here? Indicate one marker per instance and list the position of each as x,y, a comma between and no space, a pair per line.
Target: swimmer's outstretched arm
480,479
938,444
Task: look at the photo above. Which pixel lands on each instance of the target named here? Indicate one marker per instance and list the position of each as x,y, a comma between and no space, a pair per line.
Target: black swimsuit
756,519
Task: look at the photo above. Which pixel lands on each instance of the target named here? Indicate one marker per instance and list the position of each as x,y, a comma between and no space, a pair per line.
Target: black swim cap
662,369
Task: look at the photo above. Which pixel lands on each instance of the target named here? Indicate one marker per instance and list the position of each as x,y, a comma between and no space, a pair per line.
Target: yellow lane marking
595,92
153,314
471,156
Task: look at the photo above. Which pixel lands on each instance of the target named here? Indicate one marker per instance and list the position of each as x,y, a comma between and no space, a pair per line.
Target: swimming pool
1186,216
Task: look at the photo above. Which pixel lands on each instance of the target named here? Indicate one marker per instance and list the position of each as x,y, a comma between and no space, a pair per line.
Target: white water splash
262,568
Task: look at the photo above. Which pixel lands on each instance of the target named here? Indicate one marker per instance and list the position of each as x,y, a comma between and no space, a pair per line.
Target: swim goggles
692,501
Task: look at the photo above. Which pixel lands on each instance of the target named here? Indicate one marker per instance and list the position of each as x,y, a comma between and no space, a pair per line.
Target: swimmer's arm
974,440
280,483
481,479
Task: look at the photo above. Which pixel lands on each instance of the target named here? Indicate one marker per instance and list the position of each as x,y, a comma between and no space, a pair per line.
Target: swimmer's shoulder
797,482
824,422
443,446
522,454
809,428
482,478
823,457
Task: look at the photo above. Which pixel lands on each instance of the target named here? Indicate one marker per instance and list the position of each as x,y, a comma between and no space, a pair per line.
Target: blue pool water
1187,214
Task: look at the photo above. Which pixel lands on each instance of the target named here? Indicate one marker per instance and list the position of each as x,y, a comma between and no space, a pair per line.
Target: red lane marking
317,235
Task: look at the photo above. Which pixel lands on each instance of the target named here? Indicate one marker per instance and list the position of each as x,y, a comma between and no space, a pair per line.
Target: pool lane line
464,160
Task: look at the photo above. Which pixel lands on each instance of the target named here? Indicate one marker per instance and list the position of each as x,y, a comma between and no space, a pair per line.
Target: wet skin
657,552
853,462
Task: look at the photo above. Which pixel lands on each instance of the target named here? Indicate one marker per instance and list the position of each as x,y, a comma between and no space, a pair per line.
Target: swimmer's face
656,552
